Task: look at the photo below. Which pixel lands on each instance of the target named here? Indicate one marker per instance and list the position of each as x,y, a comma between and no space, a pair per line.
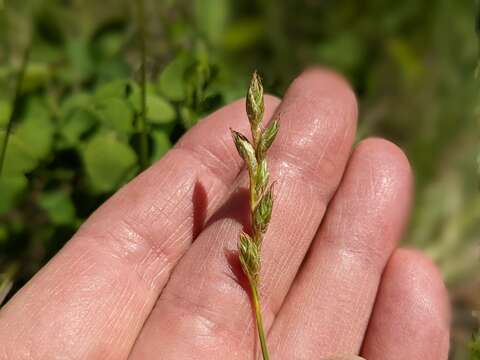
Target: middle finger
203,307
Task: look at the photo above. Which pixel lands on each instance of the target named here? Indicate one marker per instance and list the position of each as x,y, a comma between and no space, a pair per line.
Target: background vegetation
77,130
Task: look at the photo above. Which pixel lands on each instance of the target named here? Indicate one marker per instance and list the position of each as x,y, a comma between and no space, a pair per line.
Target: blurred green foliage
475,348
76,137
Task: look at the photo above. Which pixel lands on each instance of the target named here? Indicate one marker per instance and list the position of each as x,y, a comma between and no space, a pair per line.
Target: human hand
153,273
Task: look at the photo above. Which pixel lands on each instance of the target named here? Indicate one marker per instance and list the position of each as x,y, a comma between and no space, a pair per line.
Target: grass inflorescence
261,196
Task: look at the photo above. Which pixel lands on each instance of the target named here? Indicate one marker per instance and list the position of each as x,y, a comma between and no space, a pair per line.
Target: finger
203,303
411,315
328,307
91,300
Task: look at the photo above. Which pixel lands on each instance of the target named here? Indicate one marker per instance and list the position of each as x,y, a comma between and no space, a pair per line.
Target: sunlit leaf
171,82
161,144
107,161
116,114
30,141
343,52
243,34
116,89
159,110
189,117
211,17
79,54
109,44
75,125
59,207
36,75
11,189
75,101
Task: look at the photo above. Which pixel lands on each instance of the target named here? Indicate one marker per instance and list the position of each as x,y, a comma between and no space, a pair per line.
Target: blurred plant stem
143,84
16,103
6,281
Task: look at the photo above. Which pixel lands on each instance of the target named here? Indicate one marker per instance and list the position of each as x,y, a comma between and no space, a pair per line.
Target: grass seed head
255,101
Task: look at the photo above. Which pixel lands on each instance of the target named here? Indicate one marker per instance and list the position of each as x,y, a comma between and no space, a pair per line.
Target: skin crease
152,274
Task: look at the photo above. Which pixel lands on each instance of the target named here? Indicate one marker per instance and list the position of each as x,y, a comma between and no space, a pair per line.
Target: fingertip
330,85
411,318
318,117
422,287
390,161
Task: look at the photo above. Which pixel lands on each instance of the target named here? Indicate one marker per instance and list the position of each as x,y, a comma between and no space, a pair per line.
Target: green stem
16,104
258,317
143,86
6,281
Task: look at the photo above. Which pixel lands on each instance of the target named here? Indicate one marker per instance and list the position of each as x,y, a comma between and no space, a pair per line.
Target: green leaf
474,345
78,52
344,52
36,76
36,133
109,44
408,61
11,189
75,101
74,126
18,158
197,81
58,206
211,17
171,82
30,142
243,34
116,89
116,114
161,144
189,117
107,161
159,110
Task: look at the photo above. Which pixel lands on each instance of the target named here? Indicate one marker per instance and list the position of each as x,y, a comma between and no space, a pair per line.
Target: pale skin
152,274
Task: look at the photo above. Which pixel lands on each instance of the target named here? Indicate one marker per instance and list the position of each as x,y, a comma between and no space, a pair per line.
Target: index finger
92,298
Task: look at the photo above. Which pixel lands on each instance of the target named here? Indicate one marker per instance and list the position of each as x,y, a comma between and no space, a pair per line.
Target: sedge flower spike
261,197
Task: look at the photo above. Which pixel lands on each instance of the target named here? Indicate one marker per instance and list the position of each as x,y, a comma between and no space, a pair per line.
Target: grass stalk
259,320
143,84
16,104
